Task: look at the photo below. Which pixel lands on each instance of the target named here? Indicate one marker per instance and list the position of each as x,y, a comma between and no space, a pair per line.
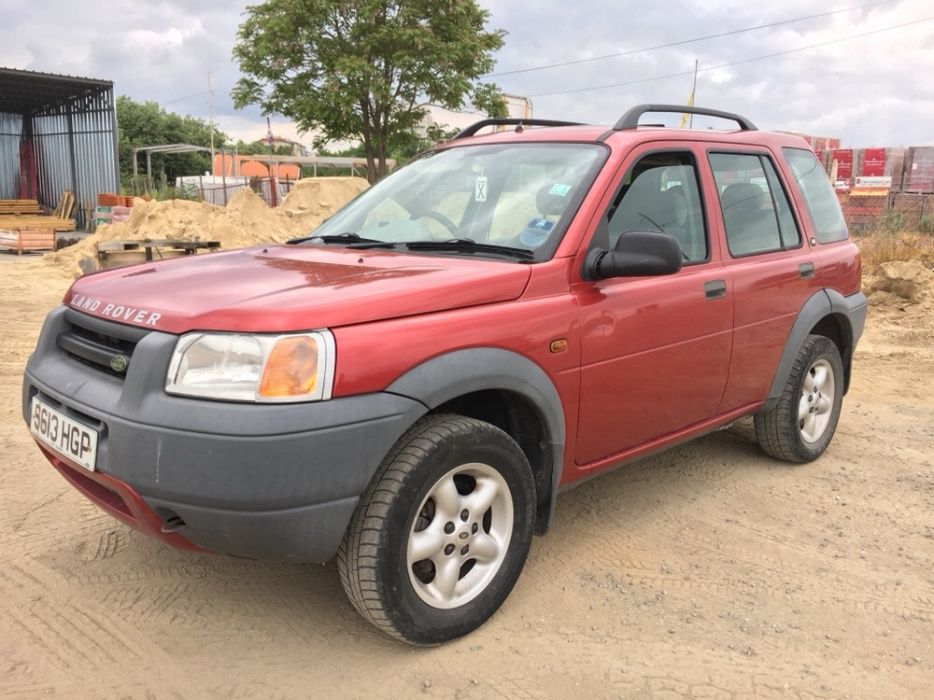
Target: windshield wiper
468,245
461,245
345,237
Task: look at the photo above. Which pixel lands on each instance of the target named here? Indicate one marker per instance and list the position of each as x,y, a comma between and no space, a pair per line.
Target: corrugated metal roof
32,92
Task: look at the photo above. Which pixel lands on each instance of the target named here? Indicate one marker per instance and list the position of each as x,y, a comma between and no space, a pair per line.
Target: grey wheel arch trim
821,304
454,374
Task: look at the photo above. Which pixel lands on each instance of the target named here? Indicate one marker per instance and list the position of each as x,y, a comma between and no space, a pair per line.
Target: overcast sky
874,90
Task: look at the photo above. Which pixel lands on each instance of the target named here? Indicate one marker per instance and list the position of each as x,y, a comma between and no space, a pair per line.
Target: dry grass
880,247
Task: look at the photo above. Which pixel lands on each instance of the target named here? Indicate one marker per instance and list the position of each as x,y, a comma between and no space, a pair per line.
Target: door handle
715,289
806,270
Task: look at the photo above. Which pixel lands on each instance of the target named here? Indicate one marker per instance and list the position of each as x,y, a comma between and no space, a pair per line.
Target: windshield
475,199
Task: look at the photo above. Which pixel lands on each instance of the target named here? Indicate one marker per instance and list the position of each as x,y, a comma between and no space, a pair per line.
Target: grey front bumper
273,482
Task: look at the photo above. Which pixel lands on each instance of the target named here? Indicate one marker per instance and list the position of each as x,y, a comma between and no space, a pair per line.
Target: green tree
148,124
261,148
354,151
357,69
407,148
404,148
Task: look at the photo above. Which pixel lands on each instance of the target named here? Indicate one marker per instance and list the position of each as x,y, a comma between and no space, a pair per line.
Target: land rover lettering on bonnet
118,312
408,387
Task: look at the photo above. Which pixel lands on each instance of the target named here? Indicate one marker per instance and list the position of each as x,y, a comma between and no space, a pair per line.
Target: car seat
549,203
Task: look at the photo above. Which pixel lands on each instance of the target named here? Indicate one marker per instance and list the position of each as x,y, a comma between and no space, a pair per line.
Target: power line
186,97
732,63
682,42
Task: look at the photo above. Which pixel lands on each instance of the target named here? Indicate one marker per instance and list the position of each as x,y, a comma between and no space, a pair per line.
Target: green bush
892,221
926,225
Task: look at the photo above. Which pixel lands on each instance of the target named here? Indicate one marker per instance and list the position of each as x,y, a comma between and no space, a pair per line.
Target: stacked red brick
919,170
112,207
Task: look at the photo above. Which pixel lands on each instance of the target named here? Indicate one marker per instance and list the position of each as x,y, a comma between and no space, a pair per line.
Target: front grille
119,344
103,345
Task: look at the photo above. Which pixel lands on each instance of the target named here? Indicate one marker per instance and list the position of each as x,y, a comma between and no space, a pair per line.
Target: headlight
241,367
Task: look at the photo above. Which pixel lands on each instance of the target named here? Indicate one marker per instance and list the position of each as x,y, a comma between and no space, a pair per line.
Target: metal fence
216,189
891,212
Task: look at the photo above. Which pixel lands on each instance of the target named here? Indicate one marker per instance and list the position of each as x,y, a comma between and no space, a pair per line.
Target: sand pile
245,221
320,197
900,282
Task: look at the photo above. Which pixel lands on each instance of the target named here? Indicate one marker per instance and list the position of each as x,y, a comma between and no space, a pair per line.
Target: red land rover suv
409,387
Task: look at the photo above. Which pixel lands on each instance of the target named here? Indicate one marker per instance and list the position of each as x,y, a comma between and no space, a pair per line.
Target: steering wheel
441,219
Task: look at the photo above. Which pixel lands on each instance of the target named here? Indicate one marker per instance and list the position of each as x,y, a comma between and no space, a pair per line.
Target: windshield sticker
559,189
479,193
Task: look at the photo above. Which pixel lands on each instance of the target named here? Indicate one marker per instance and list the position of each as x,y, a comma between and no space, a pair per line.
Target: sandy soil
706,572
245,221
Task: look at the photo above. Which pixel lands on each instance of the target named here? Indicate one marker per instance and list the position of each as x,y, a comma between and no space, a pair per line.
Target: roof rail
510,121
630,120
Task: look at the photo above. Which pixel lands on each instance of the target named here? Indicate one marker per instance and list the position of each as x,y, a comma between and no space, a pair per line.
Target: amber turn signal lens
292,368
558,345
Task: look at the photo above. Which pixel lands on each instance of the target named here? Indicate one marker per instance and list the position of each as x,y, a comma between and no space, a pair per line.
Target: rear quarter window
822,205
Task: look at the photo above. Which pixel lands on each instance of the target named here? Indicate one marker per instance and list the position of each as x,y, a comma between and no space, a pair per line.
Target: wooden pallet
139,244
29,222
25,241
112,254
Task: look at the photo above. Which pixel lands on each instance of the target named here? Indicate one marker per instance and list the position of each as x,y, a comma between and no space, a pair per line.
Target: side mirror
637,254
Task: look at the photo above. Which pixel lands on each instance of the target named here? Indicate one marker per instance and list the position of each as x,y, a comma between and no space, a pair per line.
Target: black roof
31,92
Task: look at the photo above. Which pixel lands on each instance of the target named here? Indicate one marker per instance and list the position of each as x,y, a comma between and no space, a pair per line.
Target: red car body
638,363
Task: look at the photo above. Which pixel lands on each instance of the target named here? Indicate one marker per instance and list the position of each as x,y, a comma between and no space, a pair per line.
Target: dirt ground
709,571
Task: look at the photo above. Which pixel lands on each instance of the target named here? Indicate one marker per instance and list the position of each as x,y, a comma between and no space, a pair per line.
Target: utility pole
687,118
211,119
693,95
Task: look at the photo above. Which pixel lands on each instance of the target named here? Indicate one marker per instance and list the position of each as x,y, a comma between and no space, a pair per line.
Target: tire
444,463
800,426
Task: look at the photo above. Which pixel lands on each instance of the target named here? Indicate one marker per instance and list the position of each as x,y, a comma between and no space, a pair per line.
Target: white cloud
171,38
720,76
869,91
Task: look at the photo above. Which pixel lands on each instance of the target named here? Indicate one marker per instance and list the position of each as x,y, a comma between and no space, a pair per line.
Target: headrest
742,196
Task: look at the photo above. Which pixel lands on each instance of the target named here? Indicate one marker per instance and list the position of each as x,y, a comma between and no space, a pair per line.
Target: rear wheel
799,427
442,533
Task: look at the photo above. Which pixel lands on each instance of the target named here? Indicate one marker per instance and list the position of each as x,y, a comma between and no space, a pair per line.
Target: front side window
822,203
660,193
518,195
756,212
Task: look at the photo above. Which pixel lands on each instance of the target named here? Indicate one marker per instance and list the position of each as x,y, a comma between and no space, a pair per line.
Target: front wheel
799,427
441,535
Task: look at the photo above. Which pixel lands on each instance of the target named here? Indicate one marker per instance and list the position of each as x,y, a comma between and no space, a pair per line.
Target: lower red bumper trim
117,499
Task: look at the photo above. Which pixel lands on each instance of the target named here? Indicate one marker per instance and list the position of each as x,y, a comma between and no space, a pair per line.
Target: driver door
655,350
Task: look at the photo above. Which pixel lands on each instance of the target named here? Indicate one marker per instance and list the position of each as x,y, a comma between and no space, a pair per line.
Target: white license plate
64,435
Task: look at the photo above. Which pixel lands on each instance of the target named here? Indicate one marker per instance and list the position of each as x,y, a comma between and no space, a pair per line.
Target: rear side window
822,204
756,212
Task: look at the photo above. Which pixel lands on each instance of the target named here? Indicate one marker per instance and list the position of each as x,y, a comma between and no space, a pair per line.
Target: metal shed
57,133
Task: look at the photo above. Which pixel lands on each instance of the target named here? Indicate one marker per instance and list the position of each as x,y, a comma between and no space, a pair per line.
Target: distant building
253,166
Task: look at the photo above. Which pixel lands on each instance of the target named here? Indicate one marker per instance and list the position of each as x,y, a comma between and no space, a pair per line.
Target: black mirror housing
637,254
